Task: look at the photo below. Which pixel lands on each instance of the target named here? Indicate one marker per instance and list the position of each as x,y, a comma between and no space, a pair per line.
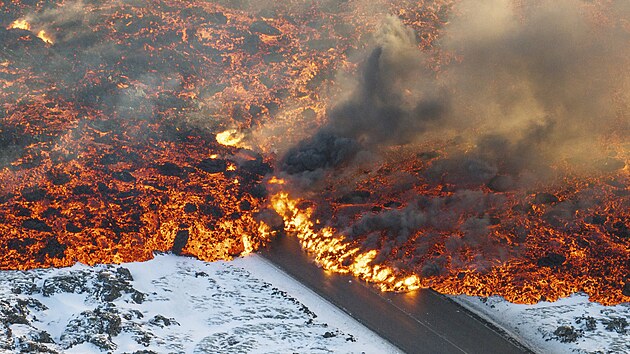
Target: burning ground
505,169
477,150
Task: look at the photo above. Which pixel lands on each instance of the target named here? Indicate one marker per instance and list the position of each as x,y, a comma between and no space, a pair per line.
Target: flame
94,182
518,279
25,25
264,230
230,137
276,180
20,24
332,252
45,37
247,246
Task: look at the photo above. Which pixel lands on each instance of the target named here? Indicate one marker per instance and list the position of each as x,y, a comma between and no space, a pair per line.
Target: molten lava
334,253
526,248
128,129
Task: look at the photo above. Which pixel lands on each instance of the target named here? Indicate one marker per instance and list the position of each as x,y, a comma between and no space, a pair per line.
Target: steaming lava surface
205,128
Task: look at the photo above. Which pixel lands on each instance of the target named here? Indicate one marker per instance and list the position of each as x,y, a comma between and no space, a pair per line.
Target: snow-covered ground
181,305
570,325
173,305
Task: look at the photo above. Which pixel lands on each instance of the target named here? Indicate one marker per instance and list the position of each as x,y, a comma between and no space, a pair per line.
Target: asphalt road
422,321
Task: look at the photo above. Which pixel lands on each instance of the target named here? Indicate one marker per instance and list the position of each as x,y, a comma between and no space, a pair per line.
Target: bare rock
545,198
551,260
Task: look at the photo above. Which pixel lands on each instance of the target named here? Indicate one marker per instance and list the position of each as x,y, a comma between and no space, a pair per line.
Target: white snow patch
569,325
188,306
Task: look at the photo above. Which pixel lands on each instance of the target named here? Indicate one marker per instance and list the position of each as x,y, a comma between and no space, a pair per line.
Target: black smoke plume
531,89
381,111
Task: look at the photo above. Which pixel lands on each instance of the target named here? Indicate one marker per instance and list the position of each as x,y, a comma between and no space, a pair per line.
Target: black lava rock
53,249
181,239
123,176
190,208
170,169
216,17
551,260
51,212
245,205
20,245
257,167
59,179
71,227
251,44
392,204
500,183
211,210
110,159
595,219
263,27
82,190
355,197
545,198
33,195
258,191
212,165
37,225
21,211
621,229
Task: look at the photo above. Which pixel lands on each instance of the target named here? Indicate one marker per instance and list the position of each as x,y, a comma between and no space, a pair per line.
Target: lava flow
334,254
123,126
470,149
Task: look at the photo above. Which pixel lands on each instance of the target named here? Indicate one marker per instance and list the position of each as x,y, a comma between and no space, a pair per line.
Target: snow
190,306
569,325
183,305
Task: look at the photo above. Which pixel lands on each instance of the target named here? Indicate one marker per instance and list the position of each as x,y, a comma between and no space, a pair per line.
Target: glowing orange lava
130,128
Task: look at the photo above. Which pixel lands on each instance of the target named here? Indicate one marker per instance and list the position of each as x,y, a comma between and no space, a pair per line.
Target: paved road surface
419,322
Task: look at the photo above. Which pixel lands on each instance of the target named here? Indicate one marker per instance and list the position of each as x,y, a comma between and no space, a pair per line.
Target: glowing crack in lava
470,149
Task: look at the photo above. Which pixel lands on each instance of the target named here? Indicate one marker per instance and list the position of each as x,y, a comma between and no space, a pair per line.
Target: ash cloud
530,89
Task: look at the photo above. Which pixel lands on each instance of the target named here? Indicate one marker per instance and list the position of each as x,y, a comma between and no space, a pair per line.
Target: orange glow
45,37
332,252
230,137
25,25
20,24
166,143
275,180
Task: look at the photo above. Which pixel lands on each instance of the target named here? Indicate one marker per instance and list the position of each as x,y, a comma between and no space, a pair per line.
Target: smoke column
528,89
